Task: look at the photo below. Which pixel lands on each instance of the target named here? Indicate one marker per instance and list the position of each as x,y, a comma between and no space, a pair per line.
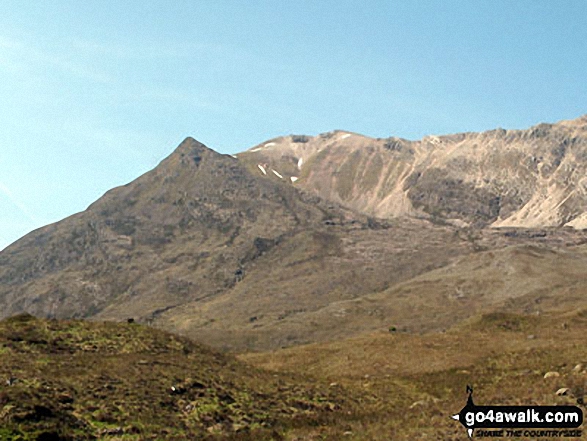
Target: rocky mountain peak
191,146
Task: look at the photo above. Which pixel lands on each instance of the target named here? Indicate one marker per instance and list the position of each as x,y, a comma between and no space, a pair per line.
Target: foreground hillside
74,380
416,382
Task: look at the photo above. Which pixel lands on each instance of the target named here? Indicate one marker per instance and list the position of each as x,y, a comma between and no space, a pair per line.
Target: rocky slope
523,178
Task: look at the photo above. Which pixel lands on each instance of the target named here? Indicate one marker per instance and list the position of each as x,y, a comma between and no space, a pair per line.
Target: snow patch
277,174
262,168
234,156
345,136
269,144
294,178
300,162
257,149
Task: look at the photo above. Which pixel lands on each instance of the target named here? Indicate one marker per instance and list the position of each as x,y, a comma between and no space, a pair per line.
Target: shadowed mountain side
284,289
411,277
177,233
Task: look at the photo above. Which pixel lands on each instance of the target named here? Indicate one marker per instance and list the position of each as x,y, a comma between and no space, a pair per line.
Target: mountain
518,178
198,214
203,246
373,234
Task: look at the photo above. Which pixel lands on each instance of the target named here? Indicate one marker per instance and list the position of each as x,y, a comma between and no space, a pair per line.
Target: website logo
554,421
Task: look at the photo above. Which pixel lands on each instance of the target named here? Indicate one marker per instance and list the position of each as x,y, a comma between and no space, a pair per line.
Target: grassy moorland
76,380
416,382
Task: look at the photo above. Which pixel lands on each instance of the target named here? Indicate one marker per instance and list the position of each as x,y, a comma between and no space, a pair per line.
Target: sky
95,93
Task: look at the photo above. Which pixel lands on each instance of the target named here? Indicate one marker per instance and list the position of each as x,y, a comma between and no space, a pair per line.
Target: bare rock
563,392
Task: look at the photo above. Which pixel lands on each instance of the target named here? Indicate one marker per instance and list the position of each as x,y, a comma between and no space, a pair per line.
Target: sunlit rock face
524,178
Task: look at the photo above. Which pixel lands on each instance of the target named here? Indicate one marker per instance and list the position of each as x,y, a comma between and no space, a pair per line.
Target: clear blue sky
94,93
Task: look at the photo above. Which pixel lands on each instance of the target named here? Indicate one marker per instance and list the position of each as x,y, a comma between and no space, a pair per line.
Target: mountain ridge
237,254
522,178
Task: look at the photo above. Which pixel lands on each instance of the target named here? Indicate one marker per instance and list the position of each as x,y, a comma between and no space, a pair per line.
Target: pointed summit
191,145
176,234
191,152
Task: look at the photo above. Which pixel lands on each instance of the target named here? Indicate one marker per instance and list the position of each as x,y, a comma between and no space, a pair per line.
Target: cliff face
523,178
